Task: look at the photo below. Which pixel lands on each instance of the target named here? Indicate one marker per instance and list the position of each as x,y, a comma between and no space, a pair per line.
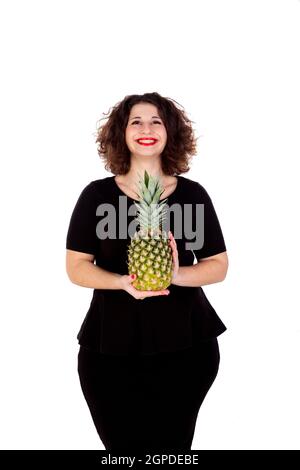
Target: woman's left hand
173,245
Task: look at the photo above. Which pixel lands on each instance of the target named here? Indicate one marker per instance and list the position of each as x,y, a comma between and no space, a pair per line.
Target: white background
234,66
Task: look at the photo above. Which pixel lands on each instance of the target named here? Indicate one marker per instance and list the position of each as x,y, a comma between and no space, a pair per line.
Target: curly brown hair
181,142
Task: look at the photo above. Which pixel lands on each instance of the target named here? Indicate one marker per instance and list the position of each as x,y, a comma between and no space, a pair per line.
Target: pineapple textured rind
151,260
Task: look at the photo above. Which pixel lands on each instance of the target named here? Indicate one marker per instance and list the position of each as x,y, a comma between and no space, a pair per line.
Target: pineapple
149,254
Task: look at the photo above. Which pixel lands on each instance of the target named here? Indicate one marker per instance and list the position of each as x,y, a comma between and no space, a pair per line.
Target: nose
146,129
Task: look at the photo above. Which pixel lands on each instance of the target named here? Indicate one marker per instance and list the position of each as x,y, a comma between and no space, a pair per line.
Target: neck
139,165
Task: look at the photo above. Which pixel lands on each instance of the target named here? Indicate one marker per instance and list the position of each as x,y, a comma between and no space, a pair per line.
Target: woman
145,367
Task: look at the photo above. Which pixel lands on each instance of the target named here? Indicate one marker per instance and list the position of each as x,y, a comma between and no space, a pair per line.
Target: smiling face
144,123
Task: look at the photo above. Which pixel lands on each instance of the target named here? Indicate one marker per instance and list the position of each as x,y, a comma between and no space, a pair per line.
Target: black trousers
148,403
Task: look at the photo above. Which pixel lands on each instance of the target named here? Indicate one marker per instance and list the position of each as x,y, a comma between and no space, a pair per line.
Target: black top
116,322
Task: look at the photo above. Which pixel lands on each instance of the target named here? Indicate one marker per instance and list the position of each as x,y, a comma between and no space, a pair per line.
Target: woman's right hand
126,285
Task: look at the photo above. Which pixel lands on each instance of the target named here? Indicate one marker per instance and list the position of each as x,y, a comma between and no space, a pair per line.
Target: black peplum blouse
117,323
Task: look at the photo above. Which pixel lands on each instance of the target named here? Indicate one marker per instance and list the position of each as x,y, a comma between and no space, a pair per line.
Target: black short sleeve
213,237
81,234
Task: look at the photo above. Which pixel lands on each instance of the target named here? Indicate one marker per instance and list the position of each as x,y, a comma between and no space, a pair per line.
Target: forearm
200,274
87,274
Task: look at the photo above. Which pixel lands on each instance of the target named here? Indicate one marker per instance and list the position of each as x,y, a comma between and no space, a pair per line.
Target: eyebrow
140,117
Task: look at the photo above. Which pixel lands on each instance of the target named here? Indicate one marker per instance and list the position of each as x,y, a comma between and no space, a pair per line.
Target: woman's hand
173,245
126,281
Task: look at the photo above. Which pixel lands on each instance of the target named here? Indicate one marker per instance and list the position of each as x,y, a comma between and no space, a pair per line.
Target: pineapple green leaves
151,212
